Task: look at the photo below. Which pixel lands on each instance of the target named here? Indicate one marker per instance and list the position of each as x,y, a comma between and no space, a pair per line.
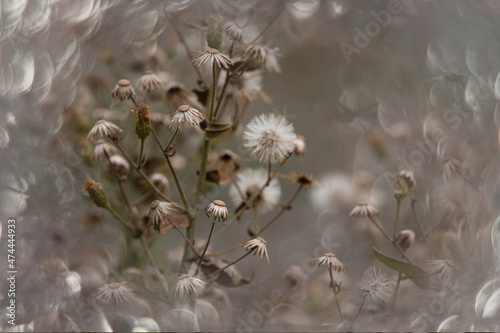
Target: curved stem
205,249
334,284
359,311
388,238
269,24
230,264
414,211
185,238
118,218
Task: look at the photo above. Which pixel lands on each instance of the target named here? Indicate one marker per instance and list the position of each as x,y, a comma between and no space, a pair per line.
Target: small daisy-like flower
376,285
218,210
269,137
261,56
70,283
119,166
409,177
123,90
444,269
160,181
149,81
103,128
103,148
213,55
159,210
234,31
250,181
405,239
185,113
187,285
365,210
115,292
300,146
330,260
301,178
259,244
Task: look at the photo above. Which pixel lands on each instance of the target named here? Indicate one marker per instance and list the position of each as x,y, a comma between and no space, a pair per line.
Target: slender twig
388,238
334,288
399,200
396,290
139,160
414,211
118,218
205,249
156,270
359,311
269,24
230,264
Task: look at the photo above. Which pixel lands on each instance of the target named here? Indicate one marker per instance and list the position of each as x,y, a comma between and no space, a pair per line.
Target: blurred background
374,87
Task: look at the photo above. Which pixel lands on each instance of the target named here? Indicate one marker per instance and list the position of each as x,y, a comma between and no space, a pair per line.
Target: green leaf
213,130
415,273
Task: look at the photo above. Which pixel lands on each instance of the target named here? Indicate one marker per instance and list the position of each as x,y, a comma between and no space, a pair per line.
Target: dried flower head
70,283
259,244
234,31
160,210
402,182
218,210
223,168
123,90
96,193
103,148
177,94
450,166
185,113
257,56
409,178
365,210
250,182
119,166
300,146
142,121
115,292
213,55
103,128
330,260
269,137
444,270
405,239
376,285
160,181
187,285
302,178
150,81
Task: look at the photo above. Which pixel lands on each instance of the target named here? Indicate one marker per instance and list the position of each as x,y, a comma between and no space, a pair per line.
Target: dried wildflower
376,285
96,193
70,283
269,137
234,31
401,186
187,285
259,244
213,55
218,210
214,31
330,260
258,56
177,94
103,128
116,292
405,239
300,146
142,122
123,90
224,168
119,166
409,178
103,148
159,118
450,165
160,181
246,87
250,182
150,81
365,210
159,210
444,269
185,113
302,178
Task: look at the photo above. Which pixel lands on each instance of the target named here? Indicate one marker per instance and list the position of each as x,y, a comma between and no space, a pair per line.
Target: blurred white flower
103,128
187,285
115,291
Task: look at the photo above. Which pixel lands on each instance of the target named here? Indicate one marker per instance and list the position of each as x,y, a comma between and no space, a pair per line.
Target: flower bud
96,193
142,122
214,32
405,239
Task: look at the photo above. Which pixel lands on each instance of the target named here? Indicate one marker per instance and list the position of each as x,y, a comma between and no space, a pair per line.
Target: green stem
359,311
118,218
205,249
185,238
389,238
139,161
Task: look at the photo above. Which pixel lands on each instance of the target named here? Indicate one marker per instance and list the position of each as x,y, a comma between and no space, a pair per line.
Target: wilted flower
212,55
185,113
218,210
150,81
302,178
234,31
376,285
365,210
259,244
257,56
70,283
103,128
250,181
187,284
103,148
123,90
444,269
405,239
269,137
409,177
96,193
159,210
119,166
300,146
177,94
330,260
160,181
403,181
116,292
224,168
